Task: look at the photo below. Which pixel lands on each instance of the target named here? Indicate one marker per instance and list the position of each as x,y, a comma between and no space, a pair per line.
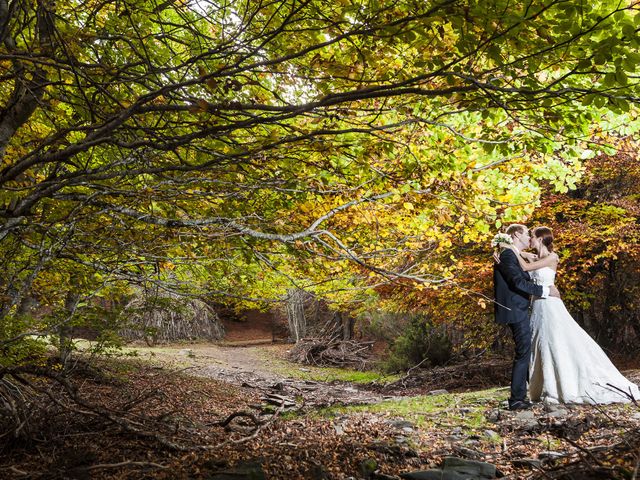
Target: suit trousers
521,332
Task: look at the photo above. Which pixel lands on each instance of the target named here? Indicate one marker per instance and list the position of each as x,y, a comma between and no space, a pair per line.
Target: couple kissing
558,360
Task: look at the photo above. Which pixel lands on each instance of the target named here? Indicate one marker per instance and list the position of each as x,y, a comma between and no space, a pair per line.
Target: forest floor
296,421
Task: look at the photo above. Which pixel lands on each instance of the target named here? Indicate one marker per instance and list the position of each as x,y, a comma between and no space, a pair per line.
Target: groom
512,290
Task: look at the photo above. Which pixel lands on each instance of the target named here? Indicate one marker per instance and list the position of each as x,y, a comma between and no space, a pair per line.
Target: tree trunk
295,314
70,305
347,326
27,305
29,85
344,325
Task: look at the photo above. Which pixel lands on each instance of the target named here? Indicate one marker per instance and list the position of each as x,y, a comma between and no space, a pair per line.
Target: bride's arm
531,257
550,260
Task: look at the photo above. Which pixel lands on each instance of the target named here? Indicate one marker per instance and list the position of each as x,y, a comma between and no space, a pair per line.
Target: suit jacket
512,287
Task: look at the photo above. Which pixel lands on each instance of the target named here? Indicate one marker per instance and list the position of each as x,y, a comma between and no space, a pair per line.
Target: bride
567,365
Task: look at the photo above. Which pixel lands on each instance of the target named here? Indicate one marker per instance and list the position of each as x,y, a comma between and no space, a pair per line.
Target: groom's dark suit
512,288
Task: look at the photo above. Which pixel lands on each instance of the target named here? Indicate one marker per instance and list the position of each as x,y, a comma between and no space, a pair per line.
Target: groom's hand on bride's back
553,291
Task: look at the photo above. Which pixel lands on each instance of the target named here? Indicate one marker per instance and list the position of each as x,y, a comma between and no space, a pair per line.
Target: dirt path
265,369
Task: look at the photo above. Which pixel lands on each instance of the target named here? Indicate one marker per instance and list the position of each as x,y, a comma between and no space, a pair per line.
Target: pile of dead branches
41,402
16,418
619,460
102,414
331,352
467,376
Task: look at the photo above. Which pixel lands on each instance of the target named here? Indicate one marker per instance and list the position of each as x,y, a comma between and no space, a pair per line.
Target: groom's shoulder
507,253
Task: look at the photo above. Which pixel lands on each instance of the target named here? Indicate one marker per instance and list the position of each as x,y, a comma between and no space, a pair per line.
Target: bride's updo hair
546,234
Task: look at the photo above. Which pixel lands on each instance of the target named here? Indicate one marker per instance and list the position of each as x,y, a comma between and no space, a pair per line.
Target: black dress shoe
520,405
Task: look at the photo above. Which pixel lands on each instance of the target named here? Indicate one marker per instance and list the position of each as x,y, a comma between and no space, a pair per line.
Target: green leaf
600,101
588,99
584,64
599,59
610,79
621,77
629,30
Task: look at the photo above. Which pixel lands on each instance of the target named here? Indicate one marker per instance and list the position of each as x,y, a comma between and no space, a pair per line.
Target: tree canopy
239,147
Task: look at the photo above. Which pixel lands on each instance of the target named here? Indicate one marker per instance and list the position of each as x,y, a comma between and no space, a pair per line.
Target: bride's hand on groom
532,257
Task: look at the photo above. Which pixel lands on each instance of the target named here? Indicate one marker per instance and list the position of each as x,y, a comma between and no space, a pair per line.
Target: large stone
251,470
455,468
471,467
528,420
434,474
400,439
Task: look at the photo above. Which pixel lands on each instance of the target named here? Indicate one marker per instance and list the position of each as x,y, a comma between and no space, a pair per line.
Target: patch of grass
165,356
176,355
452,409
329,374
89,346
151,351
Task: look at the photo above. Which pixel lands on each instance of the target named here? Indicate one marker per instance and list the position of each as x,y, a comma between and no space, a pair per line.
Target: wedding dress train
567,365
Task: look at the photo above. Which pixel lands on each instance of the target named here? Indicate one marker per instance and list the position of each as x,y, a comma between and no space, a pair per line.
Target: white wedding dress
567,365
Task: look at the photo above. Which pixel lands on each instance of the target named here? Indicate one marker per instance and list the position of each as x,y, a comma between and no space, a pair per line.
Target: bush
16,349
421,342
